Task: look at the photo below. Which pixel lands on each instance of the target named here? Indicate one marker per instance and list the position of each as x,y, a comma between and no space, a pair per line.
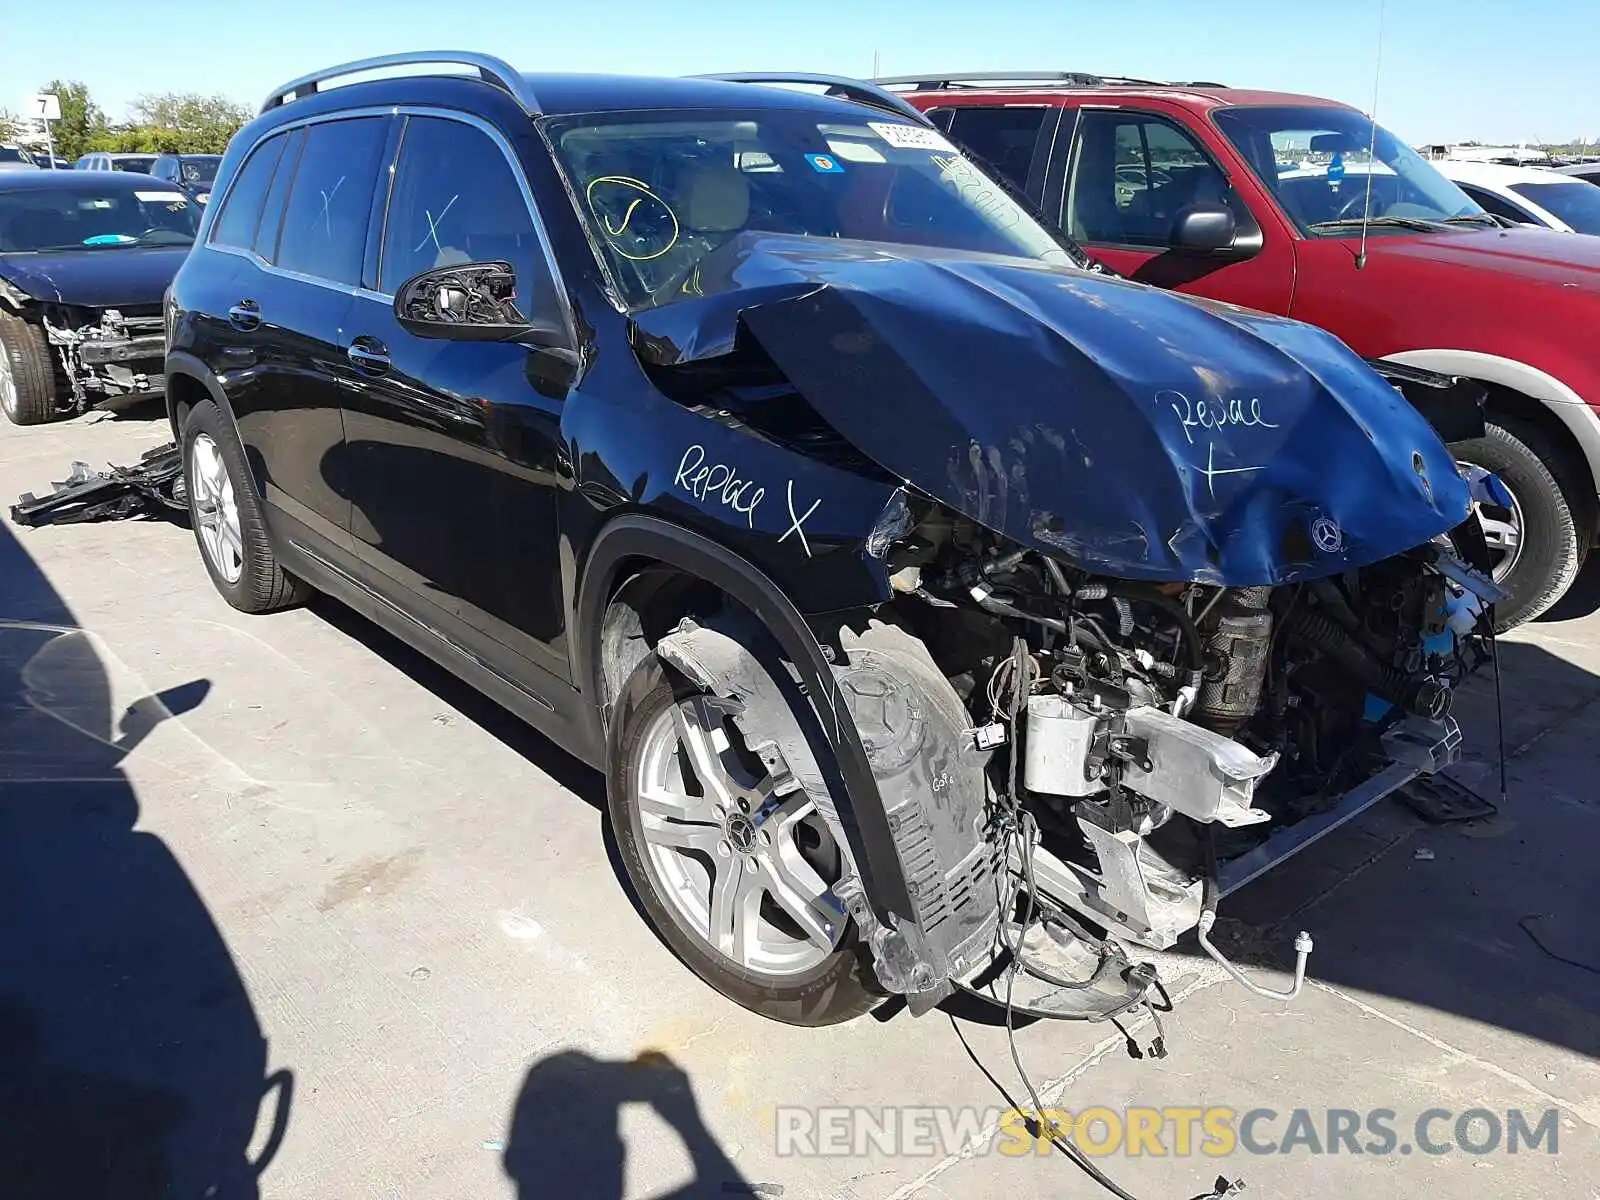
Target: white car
1528,195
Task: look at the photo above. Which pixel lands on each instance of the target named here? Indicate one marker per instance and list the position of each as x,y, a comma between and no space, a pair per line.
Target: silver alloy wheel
8,383
215,508
1502,529
735,862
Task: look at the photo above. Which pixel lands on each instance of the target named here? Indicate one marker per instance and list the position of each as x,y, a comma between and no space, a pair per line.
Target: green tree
81,118
10,125
187,122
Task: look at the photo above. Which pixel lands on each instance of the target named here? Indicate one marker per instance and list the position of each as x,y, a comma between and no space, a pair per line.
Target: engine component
1196,771
1237,648
1420,694
1059,746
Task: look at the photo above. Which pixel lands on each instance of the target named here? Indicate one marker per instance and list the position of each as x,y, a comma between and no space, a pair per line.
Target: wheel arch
189,382
638,561
1528,392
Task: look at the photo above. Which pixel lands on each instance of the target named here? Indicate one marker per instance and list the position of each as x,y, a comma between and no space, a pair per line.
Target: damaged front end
106,355
1172,591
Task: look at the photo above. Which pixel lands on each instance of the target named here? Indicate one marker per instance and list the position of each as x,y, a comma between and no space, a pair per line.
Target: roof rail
858,90
958,79
490,69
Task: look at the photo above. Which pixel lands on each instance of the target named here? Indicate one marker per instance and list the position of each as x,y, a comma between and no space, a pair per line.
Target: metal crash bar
858,90
491,70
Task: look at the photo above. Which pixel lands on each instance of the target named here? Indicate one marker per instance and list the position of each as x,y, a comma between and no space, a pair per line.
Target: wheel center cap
741,833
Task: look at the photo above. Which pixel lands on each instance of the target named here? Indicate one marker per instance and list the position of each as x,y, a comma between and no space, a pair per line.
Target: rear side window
1002,137
241,211
457,199
325,221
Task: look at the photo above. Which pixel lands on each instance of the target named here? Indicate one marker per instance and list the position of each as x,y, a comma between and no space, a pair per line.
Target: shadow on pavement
1492,919
131,1061
566,1138
1582,598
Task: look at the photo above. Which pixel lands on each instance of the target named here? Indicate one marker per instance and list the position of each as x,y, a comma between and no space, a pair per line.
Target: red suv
1258,198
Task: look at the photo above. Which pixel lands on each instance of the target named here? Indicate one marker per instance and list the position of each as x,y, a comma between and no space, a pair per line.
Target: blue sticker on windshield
1336,168
827,164
110,239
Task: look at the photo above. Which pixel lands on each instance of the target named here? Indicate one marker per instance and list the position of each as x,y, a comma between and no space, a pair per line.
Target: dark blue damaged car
944,613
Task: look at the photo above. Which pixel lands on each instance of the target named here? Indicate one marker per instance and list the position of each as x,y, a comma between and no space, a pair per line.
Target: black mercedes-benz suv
940,610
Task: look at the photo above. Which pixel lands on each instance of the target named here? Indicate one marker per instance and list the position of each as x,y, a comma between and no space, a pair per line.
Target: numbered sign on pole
43,106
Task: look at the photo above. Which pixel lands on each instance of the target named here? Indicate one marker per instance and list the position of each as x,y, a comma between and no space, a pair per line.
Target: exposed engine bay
1147,735
105,354
1106,759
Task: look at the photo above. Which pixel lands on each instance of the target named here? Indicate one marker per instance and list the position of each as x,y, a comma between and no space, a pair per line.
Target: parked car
16,158
84,261
191,173
1528,195
1262,206
755,446
99,161
1589,172
52,162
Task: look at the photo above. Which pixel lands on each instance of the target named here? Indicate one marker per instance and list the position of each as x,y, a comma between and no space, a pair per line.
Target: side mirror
1204,227
470,302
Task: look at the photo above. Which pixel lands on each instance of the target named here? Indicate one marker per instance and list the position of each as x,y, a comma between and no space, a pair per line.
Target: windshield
34,219
200,170
12,154
1578,204
138,164
660,191
1319,162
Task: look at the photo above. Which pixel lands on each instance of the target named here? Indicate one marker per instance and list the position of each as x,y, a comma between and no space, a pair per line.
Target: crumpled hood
111,278
1138,433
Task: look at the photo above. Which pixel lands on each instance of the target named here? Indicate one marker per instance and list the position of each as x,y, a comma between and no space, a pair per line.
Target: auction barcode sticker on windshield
909,137
162,197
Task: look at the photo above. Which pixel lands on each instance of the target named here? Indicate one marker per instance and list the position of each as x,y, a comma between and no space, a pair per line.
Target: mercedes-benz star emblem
1325,532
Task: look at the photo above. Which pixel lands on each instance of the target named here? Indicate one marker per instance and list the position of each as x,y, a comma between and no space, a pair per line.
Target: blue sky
1451,70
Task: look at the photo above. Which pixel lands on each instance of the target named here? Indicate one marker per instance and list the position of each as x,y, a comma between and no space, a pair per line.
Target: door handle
368,356
244,316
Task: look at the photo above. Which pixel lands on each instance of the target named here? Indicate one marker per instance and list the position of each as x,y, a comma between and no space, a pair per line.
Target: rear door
453,446
1129,174
286,312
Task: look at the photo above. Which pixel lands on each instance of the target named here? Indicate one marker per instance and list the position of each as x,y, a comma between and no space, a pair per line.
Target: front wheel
1536,544
734,867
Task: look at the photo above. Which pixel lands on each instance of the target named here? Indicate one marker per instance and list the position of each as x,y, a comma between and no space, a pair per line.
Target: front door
1130,174
452,447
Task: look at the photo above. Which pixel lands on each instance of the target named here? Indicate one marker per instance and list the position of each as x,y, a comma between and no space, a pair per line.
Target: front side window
1002,137
324,230
457,199
1575,202
91,219
241,211
661,192
138,165
1330,167
1132,175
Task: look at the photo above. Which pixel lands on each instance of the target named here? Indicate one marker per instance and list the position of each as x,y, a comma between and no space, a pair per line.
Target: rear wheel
1536,543
27,375
227,519
734,867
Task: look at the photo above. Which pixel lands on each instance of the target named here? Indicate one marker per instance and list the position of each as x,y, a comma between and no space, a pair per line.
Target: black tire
838,989
32,370
1531,464
263,585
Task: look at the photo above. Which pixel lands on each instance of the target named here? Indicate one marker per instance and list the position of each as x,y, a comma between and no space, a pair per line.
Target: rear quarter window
241,210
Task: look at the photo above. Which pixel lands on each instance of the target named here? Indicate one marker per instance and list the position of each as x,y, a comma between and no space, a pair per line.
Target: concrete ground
337,927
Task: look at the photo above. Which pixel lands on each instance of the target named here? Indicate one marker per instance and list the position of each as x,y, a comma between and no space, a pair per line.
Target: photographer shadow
566,1137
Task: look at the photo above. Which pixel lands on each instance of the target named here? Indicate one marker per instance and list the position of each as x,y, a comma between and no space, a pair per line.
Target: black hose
1169,605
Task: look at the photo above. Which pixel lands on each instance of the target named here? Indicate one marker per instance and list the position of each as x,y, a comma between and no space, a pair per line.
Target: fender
862,810
1573,411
